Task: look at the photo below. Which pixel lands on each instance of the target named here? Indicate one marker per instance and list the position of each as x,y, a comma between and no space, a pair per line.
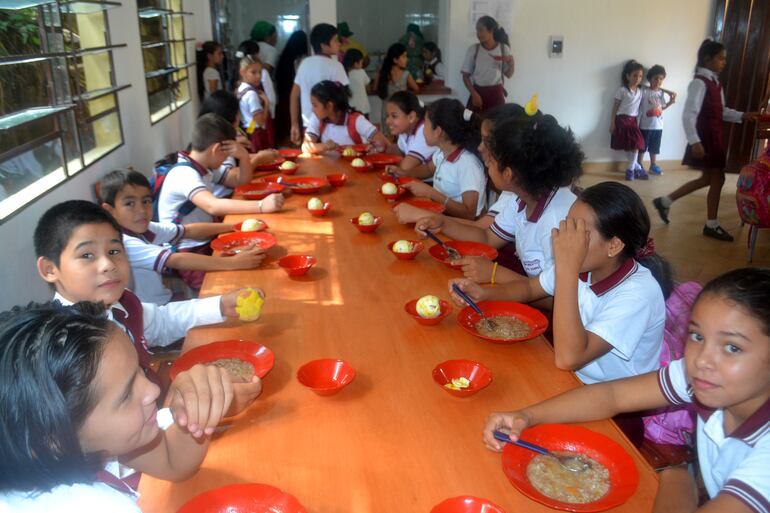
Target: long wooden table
392,441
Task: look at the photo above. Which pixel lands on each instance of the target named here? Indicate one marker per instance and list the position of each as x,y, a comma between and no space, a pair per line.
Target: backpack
351,124
753,194
502,65
675,424
160,170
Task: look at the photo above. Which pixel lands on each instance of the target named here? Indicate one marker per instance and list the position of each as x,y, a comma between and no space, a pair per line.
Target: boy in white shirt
651,115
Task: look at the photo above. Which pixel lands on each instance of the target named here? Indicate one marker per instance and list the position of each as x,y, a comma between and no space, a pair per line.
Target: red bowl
360,150
326,376
401,180
255,353
537,322
297,265
262,226
233,241
624,476
380,160
337,179
411,309
259,190
243,498
300,184
416,245
290,171
467,504
363,169
320,212
478,375
465,248
366,228
290,153
400,191
270,165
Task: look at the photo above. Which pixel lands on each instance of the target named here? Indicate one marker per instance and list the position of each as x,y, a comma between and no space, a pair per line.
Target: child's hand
227,303
243,395
248,258
672,98
433,223
295,134
419,188
570,245
612,127
475,291
265,157
406,213
233,149
698,151
476,100
393,170
273,203
476,268
512,423
200,397
330,145
243,141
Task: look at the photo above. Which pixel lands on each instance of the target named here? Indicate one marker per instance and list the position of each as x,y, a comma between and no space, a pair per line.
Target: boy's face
332,47
92,267
133,208
657,81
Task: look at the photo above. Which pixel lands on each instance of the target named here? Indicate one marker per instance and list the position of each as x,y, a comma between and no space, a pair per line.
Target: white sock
665,201
712,223
631,157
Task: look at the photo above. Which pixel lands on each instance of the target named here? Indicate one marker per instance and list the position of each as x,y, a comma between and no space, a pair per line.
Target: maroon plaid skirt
626,136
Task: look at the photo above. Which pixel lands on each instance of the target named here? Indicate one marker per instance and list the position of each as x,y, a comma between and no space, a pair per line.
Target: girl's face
600,250
252,74
717,63
427,55
401,61
486,133
216,58
398,121
432,133
322,110
484,35
634,78
657,81
727,357
358,64
124,417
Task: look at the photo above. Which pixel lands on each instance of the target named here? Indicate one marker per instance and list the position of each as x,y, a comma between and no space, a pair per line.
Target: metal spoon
571,463
489,323
452,252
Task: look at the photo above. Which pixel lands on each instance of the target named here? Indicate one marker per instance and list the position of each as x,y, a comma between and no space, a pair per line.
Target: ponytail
461,126
501,36
498,32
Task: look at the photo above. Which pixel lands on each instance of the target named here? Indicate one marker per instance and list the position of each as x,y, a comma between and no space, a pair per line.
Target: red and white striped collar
601,287
540,207
194,163
147,236
416,127
452,157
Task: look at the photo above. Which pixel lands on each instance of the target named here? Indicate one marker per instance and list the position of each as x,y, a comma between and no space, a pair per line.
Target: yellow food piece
250,225
451,386
249,308
531,107
428,307
366,219
358,163
288,165
315,204
349,152
403,246
389,188
458,384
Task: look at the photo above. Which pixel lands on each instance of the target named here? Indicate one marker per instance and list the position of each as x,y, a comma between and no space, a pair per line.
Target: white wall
144,143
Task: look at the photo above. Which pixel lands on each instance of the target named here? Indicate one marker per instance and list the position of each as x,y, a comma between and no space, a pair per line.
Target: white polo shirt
735,464
651,100
413,144
148,252
532,234
312,70
485,66
76,498
268,54
249,103
181,184
460,171
502,200
627,311
209,75
339,133
629,101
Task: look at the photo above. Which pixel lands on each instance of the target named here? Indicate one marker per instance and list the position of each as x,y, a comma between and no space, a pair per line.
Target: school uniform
340,134
148,253
268,54
499,204
506,255
627,136
249,103
359,98
486,68
460,171
651,118
211,74
76,498
434,70
413,144
626,310
312,70
734,464
266,81
703,115
531,234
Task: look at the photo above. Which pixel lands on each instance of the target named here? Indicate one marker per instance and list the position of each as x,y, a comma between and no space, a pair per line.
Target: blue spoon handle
467,299
433,236
499,435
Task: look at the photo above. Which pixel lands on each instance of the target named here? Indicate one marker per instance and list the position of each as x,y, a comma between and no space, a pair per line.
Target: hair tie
240,55
467,115
531,106
421,103
647,250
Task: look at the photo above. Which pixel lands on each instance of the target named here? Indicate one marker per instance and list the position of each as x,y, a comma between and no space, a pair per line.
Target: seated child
406,119
433,68
191,181
74,400
334,123
609,312
725,373
150,245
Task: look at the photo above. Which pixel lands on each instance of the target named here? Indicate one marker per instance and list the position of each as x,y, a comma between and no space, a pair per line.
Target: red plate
270,165
256,354
380,160
624,476
467,504
400,191
401,180
301,184
243,498
467,318
326,376
417,246
262,226
426,204
258,191
478,375
366,228
465,248
411,309
290,171
232,241
363,169
290,153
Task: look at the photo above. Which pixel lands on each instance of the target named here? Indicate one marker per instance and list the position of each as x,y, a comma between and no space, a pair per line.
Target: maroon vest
710,115
133,323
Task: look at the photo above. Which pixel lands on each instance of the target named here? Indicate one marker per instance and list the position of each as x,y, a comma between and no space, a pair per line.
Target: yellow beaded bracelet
494,271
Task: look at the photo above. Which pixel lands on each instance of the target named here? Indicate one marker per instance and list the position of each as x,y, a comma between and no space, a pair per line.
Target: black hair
407,102
210,129
620,213
449,115
285,71
497,31
351,57
322,34
541,154
247,47
49,359
708,49
328,91
501,113
201,59
222,103
434,49
394,52
628,68
55,226
749,288
114,182
655,71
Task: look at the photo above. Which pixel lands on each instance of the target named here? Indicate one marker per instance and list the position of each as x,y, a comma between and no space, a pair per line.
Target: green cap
413,27
261,30
343,30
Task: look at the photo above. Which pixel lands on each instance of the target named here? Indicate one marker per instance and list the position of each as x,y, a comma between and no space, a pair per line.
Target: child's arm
615,108
204,231
224,206
458,229
420,171
242,174
411,85
476,100
671,98
294,111
522,291
379,141
313,146
464,209
248,258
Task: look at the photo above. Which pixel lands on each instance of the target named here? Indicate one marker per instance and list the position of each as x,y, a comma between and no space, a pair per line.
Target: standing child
624,131
335,123
393,77
251,48
255,107
651,115
406,119
704,113
725,374
433,68
359,81
209,59
486,66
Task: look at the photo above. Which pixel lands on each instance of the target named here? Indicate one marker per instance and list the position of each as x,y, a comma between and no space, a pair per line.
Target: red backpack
351,124
753,194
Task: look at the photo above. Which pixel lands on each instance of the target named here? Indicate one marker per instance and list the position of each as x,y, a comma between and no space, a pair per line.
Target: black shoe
717,233
662,211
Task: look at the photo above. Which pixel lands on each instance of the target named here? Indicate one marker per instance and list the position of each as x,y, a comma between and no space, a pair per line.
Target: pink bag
675,424
753,194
